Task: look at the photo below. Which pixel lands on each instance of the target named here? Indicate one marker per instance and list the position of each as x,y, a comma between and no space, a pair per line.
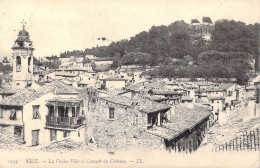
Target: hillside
162,45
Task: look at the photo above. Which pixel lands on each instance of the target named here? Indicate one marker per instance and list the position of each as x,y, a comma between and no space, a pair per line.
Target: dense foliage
5,68
165,44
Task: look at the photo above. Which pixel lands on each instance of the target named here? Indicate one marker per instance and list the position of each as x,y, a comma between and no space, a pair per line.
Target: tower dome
23,33
23,36
23,40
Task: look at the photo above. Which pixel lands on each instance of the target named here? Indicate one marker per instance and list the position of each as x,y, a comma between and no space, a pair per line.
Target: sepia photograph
129,83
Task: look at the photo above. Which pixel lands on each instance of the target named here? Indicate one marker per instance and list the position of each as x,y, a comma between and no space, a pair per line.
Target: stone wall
127,131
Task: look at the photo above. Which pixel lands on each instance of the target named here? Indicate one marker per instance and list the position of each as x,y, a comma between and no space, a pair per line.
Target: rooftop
144,105
113,79
167,92
184,119
215,97
25,96
225,86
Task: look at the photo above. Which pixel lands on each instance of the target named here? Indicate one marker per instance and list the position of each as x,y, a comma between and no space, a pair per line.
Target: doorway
35,137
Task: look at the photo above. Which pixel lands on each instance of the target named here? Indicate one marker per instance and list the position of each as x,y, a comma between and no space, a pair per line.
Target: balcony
64,122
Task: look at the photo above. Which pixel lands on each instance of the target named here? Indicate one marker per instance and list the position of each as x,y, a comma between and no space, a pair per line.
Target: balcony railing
65,122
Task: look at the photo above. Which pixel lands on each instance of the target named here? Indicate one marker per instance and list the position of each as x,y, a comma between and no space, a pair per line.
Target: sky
56,26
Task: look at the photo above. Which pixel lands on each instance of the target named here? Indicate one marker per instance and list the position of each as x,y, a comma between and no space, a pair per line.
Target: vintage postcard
158,83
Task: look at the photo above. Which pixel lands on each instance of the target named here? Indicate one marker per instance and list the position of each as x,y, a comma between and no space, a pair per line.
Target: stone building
186,130
120,123
116,122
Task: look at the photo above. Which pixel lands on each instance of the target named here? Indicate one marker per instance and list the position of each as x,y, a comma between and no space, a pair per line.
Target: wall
6,116
23,75
217,106
36,124
115,84
118,134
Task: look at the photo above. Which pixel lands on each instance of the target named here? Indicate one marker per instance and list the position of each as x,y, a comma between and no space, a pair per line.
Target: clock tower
22,60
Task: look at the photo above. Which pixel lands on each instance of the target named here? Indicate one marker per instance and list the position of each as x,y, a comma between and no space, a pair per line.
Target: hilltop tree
206,20
195,21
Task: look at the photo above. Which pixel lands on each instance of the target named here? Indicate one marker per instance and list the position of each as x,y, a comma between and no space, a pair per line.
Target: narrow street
240,120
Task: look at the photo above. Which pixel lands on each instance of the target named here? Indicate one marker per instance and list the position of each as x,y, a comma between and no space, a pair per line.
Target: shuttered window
36,113
111,113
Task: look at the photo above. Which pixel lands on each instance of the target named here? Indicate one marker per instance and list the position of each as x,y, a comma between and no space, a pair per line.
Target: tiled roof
27,95
62,99
114,79
187,98
147,86
184,119
210,97
113,92
154,97
144,105
59,87
61,73
225,86
208,89
75,68
201,83
8,90
167,92
190,87
149,106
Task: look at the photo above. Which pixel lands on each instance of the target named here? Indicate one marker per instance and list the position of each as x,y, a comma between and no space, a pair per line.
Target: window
111,113
18,64
29,64
18,130
51,110
36,113
73,112
66,134
13,115
1,113
53,135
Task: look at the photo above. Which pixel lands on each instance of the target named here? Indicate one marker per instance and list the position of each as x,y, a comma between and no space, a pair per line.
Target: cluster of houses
119,109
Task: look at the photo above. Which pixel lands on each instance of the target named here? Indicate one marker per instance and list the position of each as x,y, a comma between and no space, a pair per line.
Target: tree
206,20
5,60
86,60
194,21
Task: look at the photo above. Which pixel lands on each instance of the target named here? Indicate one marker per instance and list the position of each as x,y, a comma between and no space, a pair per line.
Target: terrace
65,113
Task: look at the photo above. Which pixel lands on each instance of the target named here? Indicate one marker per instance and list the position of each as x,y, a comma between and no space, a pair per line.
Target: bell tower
22,60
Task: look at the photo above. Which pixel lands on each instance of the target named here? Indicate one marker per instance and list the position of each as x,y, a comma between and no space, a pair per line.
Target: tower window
29,64
18,64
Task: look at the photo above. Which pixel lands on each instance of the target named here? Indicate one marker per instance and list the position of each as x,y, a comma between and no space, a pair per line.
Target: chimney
190,105
172,112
